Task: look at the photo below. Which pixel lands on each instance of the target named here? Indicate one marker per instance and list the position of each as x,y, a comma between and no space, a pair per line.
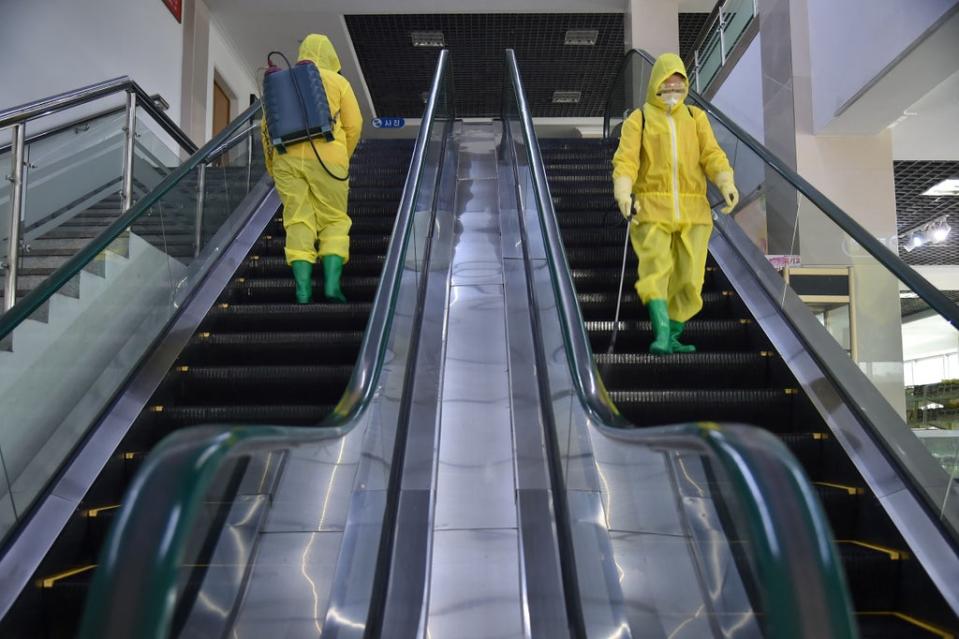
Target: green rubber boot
675,330
659,316
332,270
303,276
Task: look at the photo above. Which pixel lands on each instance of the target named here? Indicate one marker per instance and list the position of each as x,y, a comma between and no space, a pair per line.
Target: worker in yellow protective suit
666,152
314,201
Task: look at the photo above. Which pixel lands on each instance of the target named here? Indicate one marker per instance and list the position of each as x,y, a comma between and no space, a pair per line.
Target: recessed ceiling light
946,187
581,37
567,97
428,39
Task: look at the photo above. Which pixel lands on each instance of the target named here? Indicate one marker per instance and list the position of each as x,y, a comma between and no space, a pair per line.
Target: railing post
696,68
129,139
18,167
249,161
200,203
722,34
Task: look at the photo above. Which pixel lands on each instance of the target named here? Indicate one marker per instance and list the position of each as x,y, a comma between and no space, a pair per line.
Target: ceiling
398,73
913,208
929,129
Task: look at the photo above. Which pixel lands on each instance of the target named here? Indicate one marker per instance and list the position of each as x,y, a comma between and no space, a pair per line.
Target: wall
228,66
876,31
56,45
741,94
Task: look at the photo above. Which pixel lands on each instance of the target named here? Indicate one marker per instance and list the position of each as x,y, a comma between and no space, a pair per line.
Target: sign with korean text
388,123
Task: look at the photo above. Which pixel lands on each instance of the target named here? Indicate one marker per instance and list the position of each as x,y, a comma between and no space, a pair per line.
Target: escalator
736,376
255,358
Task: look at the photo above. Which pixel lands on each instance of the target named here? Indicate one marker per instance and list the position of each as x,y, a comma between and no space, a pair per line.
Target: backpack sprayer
296,106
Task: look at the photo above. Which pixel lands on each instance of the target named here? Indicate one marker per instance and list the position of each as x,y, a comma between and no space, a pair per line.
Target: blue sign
388,123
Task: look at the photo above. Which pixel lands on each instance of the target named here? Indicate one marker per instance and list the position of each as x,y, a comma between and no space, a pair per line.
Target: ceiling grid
398,73
913,209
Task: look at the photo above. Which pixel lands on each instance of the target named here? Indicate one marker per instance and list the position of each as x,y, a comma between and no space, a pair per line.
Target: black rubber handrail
785,521
56,103
131,592
905,273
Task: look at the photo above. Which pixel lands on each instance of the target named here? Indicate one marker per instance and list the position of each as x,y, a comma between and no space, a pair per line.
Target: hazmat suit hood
319,50
666,65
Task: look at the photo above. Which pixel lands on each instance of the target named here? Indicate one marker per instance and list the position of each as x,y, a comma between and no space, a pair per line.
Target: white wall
741,94
52,46
852,41
228,66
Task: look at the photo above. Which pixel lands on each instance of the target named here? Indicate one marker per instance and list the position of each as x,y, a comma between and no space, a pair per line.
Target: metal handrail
43,135
905,273
53,104
787,524
35,298
164,499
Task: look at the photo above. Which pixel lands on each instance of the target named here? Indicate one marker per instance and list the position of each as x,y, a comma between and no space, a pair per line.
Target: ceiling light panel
428,39
581,37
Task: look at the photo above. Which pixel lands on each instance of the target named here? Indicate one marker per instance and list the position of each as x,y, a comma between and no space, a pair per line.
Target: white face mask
672,98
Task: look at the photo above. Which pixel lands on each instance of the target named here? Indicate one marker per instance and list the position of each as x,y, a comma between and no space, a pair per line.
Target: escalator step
286,317
273,384
376,244
870,574
602,305
808,449
301,414
606,279
276,266
767,408
356,288
706,335
841,505
885,625
622,371
274,347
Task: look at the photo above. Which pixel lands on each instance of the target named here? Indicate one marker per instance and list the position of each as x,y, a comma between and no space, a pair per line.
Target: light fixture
428,39
941,232
946,187
581,37
567,97
932,232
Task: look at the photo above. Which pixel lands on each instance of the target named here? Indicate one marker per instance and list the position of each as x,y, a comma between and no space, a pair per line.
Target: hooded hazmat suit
668,153
315,203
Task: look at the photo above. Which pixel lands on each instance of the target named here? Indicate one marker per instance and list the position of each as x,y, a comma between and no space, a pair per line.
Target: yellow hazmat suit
315,203
665,155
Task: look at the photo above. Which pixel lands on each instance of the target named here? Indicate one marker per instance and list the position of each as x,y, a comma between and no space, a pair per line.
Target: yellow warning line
939,632
894,554
93,512
852,490
49,582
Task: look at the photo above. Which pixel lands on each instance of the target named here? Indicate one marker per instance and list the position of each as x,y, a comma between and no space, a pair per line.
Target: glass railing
72,341
723,30
700,529
77,173
148,582
863,294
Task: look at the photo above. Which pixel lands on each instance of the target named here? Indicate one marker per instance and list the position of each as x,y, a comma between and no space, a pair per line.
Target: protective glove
726,186
623,193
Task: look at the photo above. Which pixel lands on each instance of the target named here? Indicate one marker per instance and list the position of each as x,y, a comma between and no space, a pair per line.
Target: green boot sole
303,278
332,271
675,330
659,317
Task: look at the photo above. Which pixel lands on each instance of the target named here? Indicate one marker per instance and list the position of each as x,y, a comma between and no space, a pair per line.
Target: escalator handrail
905,273
785,519
26,306
77,97
164,499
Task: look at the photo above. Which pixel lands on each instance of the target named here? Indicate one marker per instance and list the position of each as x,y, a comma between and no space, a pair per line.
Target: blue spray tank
296,107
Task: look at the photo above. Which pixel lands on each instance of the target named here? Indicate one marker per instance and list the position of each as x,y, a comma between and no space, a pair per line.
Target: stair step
767,408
